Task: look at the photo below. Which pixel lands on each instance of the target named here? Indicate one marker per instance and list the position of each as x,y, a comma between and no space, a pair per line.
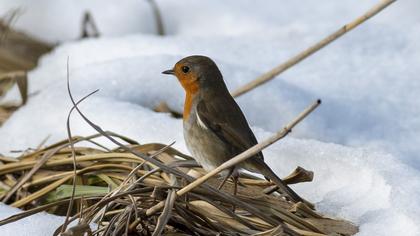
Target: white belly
205,147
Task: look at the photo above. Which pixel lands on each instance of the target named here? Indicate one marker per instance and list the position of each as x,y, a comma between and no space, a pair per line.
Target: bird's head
197,73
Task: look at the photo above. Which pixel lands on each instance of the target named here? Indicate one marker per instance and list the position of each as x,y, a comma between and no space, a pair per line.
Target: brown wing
226,120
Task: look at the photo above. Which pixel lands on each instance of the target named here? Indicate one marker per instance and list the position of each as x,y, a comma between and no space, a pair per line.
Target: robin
215,129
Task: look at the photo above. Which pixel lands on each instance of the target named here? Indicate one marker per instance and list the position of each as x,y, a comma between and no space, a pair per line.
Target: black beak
168,72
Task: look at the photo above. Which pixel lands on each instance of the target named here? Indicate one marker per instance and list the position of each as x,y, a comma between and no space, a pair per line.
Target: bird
214,126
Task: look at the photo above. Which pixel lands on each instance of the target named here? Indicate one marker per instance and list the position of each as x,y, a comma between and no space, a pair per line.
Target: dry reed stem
311,50
158,17
89,28
19,77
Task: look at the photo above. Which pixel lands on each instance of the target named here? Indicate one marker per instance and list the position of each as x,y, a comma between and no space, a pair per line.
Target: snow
61,20
362,143
38,224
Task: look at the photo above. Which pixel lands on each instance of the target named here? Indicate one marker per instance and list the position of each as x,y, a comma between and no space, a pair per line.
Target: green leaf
65,191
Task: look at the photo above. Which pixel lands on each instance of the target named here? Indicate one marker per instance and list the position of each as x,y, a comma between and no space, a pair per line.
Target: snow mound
38,224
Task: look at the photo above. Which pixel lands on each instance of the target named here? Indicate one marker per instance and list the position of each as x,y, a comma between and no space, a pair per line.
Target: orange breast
187,106
191,90
190,93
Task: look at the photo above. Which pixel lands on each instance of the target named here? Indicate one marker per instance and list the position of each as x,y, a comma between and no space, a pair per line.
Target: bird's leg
225,179
235,177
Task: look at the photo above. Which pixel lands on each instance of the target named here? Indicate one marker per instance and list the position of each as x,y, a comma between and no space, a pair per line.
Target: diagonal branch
264,78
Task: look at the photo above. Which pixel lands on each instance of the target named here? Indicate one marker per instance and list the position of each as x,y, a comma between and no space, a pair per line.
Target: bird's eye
185,69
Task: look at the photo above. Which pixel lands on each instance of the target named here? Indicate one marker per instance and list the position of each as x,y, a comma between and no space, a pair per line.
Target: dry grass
18,54
18,51
115,188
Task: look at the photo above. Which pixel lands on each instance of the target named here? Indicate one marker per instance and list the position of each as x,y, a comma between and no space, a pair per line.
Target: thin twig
20,78
166,213
73,154
158,17
241,157
311,50
89,28
8,20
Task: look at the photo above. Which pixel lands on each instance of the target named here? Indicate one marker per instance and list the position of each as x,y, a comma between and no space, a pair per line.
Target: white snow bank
367,81
370,187
40,224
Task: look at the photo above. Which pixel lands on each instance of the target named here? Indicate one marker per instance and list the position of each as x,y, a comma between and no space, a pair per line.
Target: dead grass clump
115,189
18,51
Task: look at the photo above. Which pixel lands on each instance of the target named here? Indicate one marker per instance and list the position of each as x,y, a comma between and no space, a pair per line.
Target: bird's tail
265,170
